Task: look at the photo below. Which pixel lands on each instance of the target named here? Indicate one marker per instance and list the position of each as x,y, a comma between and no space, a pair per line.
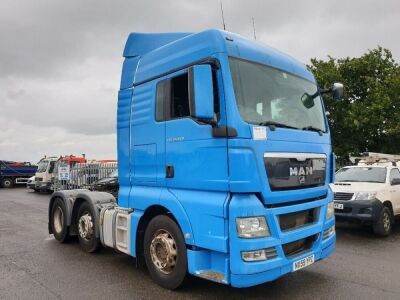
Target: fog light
329,232
259,255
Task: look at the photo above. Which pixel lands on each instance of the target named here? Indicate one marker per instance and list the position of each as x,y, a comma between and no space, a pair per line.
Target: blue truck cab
224,163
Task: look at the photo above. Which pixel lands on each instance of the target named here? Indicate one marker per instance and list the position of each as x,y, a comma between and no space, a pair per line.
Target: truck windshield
359,174
42,166
265,94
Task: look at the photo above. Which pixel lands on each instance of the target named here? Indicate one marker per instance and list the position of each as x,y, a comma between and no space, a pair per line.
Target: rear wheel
383,227
165,252
7,183
58,221
86,228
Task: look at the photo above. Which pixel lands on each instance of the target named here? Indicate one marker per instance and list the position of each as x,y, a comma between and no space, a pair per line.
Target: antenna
222,14
254,29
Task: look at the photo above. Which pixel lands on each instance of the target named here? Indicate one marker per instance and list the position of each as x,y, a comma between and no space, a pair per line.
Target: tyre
7,183
86,228
58,221
165,252
383,227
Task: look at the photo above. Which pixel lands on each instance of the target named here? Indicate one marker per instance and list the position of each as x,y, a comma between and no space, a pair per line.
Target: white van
369,193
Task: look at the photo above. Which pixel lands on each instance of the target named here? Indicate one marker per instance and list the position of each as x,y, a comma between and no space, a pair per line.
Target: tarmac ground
33,265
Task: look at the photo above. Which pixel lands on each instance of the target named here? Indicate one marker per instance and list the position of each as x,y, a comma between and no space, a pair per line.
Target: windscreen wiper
312,128
273,124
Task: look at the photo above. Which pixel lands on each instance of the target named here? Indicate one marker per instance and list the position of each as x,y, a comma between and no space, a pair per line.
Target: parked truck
12,173
44,177
224,163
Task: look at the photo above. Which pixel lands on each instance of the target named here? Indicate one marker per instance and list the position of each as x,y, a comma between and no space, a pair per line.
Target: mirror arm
325,91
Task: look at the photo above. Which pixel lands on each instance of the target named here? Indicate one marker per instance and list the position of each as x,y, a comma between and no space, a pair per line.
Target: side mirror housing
201,92
337,91
395,181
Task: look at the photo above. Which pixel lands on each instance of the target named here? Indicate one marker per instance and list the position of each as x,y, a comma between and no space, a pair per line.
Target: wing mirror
308,100
201,92
337,91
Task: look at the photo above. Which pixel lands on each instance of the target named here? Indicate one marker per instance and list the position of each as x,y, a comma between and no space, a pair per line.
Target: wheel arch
389,205
176,213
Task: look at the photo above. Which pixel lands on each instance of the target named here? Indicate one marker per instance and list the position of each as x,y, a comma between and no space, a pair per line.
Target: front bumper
281,266
31,185
359,210
43,186
245,274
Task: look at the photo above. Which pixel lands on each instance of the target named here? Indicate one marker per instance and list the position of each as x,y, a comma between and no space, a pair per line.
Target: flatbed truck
14,173
224,163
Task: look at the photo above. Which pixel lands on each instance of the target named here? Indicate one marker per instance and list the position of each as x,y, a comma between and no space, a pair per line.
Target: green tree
369,116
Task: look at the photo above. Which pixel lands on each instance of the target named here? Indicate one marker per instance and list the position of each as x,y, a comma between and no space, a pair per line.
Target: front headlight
365,196
330,212
253,227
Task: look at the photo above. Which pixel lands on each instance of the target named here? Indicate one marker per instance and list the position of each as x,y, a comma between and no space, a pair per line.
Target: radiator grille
299,246
298,219
343,196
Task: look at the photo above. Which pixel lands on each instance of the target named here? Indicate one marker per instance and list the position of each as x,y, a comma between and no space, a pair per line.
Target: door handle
169,171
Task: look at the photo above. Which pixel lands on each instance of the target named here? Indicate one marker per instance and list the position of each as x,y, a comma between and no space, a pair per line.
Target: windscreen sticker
259,133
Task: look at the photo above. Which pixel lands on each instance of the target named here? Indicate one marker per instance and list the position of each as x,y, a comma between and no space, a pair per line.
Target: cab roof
159,53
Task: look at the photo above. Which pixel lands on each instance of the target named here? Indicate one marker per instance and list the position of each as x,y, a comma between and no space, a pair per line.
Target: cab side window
173,98
51,168
394,174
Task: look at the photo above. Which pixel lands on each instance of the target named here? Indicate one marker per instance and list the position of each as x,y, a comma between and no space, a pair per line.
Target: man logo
302,180
300,171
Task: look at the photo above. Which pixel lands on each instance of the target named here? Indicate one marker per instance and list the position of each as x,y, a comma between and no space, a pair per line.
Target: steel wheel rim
85,226
386,221
163,251
58,219
7,183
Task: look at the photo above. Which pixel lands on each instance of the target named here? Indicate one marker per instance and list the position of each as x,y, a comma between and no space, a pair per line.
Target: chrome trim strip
298,156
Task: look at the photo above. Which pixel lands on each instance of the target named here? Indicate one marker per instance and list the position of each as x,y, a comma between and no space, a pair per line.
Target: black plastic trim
224,132
275,205
354,210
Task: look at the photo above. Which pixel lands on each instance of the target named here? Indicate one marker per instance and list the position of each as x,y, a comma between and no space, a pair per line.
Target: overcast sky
60,61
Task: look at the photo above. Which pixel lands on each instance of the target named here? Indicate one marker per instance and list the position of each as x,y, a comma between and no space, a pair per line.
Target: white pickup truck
368,193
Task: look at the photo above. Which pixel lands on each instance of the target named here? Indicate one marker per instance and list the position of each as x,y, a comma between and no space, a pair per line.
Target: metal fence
81,175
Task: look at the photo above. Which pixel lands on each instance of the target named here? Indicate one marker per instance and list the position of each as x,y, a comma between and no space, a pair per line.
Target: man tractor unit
224,163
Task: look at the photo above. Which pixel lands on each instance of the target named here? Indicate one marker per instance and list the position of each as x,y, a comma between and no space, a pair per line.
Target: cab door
195,159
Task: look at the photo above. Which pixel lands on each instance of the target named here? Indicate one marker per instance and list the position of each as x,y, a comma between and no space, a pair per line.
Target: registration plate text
304,262
338,205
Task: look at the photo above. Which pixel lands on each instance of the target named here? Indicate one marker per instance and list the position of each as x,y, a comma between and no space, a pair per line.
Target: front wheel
383,226
7,183
165,252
